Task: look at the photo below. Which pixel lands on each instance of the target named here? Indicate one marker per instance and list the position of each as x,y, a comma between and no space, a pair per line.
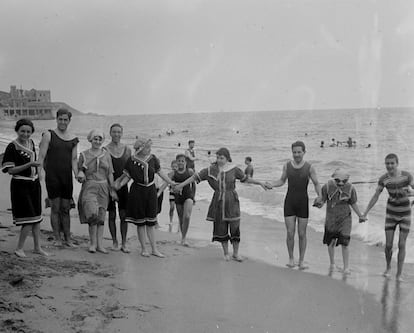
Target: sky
155,56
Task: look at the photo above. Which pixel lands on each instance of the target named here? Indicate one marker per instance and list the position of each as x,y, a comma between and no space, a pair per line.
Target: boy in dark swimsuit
297,172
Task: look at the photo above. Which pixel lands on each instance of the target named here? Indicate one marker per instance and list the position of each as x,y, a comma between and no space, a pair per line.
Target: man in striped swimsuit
398,212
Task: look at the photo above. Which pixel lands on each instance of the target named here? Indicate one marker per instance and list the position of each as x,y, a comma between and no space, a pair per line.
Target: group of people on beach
105,172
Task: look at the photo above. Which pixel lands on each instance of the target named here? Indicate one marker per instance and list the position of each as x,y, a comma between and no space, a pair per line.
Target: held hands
176,188
117,185
409,191
263,185
362,218
35,164
268,186
318,202
113,194
81,177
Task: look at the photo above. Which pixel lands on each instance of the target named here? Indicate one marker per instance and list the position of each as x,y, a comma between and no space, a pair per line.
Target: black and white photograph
226,166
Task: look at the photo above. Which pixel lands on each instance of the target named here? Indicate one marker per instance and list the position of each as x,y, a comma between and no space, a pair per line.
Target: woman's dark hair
392,156
224,152
22,122
116,125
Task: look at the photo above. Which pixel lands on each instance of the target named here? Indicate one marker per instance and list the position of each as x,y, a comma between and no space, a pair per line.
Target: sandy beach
191,290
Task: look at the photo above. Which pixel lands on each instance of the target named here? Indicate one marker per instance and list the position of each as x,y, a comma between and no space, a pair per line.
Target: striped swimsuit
398,205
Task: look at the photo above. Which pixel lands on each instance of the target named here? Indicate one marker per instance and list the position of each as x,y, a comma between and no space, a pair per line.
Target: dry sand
191,290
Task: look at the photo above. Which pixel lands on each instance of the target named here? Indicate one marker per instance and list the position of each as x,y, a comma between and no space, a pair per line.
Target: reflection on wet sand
391,301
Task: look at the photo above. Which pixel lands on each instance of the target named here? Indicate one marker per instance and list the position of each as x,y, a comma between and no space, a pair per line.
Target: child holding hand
339,195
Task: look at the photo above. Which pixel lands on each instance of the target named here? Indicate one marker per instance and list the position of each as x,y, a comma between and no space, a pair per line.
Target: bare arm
373,200
121,181
358,212
164,185
75,160
189,180
282,180
315,182
17,169
165,177
255,182
43,147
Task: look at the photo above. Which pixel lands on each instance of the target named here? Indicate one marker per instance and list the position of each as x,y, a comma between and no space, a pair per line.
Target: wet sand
191,290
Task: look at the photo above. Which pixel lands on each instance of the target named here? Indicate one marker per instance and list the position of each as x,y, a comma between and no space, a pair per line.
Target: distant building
19,103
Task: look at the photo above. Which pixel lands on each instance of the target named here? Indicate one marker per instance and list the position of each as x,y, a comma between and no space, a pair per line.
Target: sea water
267,138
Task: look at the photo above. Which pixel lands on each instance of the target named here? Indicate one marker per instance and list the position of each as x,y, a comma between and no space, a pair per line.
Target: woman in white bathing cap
142,203
96,176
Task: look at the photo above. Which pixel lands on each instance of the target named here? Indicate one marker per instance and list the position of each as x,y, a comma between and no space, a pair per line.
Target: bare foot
58,243
71,245
145,254
399,278
92,249
20,253
332,267
115,246
158,254
291,263
101,250
237,258
346,271
184,243
386,274
226,257
125,249
41,252
302,266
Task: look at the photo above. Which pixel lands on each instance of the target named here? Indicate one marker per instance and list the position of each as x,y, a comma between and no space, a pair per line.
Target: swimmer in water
322,144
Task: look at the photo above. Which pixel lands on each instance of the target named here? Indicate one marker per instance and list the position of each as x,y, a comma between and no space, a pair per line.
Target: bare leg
124,230
65,220
180,213
345,258
236,252
188,208
225,246
142,240
24,231
290,222
112,228
401,252
389,240
92,237
171,213
55,220
151,238
99,239
331,252
302,224
36,237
